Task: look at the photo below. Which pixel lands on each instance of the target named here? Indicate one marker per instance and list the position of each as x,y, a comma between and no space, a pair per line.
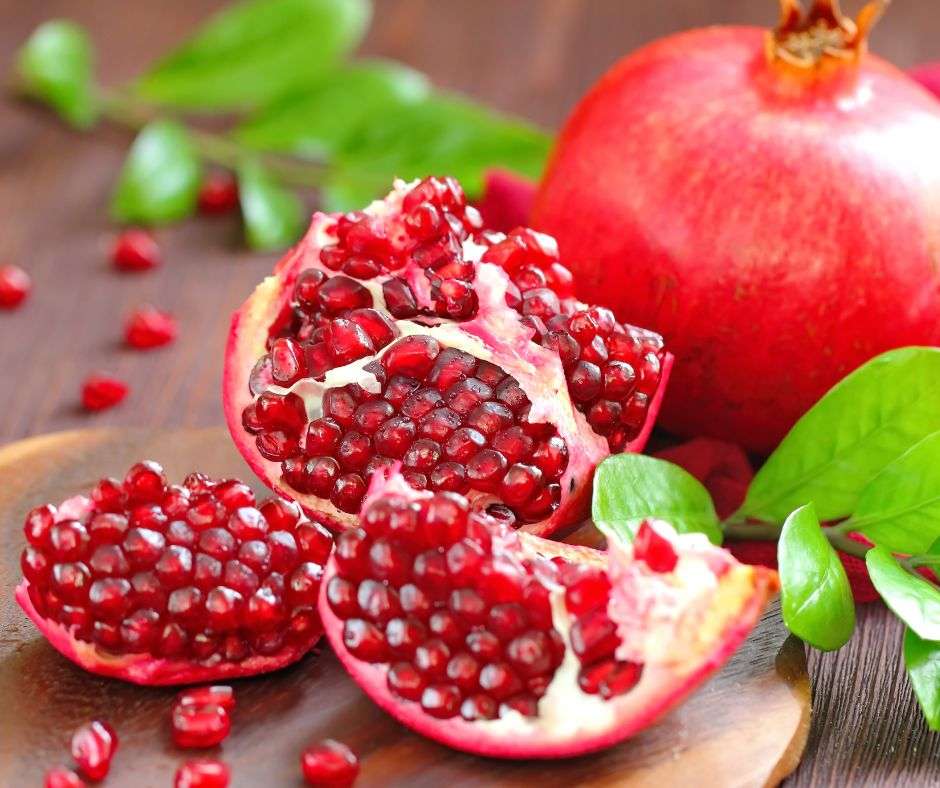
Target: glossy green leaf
922,660
866,421
273,216
628,488
160,180
56,66
900,508
318,121
256,51
914,600
444,135
816,599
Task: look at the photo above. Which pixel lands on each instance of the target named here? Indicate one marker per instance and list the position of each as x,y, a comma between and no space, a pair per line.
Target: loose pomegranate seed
60,777
101,391
218,194
202,774
15,285
199,726
93,747
220,695
148,328
654,549
329,763
135,250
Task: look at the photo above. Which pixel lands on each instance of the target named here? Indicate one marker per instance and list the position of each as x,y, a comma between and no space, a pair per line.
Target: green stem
737,529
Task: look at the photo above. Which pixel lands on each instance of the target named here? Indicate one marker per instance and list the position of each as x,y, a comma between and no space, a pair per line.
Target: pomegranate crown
821,36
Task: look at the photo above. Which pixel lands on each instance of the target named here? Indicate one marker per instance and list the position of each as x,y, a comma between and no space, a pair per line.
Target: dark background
531,57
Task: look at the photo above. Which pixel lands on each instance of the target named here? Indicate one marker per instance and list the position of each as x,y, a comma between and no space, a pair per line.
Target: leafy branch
296,113
865,460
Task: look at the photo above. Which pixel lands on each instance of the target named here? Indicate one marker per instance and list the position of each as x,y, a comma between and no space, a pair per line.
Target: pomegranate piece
135,250
199,726
329,764
447,617
159,583
149,327
218,194
101,391
60,777
93,747
406,332
15,285
205,773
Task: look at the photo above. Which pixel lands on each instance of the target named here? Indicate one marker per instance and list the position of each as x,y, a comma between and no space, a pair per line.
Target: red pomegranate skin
778,229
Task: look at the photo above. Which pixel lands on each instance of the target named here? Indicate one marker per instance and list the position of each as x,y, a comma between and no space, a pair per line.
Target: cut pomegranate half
174,584
406,333
505,644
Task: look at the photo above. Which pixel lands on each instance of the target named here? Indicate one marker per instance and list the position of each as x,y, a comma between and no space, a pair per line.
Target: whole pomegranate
769,202
405,333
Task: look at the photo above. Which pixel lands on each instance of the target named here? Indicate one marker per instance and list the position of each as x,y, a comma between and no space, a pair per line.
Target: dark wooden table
532,57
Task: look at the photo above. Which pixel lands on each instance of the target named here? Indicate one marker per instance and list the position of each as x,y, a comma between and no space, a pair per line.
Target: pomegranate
15,285
173,584
149,327
406,333
204,773
501,643
329,764
135,250
928,75
769,202
93,747
101,391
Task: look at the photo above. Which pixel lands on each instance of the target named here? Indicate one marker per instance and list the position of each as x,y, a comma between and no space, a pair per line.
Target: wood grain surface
532,57
763,690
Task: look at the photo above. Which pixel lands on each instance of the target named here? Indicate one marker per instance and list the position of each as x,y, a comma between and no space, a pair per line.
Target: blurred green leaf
867,420
160,180
273,216
256,51
443,135
816,599
922,660
318,121
628,488
55,65
912,599
900,508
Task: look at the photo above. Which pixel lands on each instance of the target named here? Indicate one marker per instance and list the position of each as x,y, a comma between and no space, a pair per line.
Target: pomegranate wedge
501,643
407,333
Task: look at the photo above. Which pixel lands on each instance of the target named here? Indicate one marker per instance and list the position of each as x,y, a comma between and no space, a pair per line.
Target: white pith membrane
679,625
495,334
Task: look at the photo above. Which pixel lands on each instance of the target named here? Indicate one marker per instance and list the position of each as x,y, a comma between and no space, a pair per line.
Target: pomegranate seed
478,707
93,747
202,774
148,328
196,726
135,250
218,194
441,700
621,679
15,286
220,695
101,391
60,777
654,549
329,763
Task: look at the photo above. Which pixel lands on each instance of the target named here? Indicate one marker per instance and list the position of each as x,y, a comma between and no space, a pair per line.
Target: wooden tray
746,727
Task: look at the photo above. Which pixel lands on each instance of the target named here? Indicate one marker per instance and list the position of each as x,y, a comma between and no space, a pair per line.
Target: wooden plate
746,727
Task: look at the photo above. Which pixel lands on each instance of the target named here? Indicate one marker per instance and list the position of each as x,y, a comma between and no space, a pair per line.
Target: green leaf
56,66
319,121
256,51
274,217
864,422
160,180
915,601
628,488
900,508
444,135
922,660
816,599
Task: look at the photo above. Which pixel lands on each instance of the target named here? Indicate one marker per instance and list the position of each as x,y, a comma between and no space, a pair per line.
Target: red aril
135,250
159,583
199,726
205,773
501,643
329,764
217,694
101,391
406,333
15,285
60,777
93,747
769,202
218,194
149,327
